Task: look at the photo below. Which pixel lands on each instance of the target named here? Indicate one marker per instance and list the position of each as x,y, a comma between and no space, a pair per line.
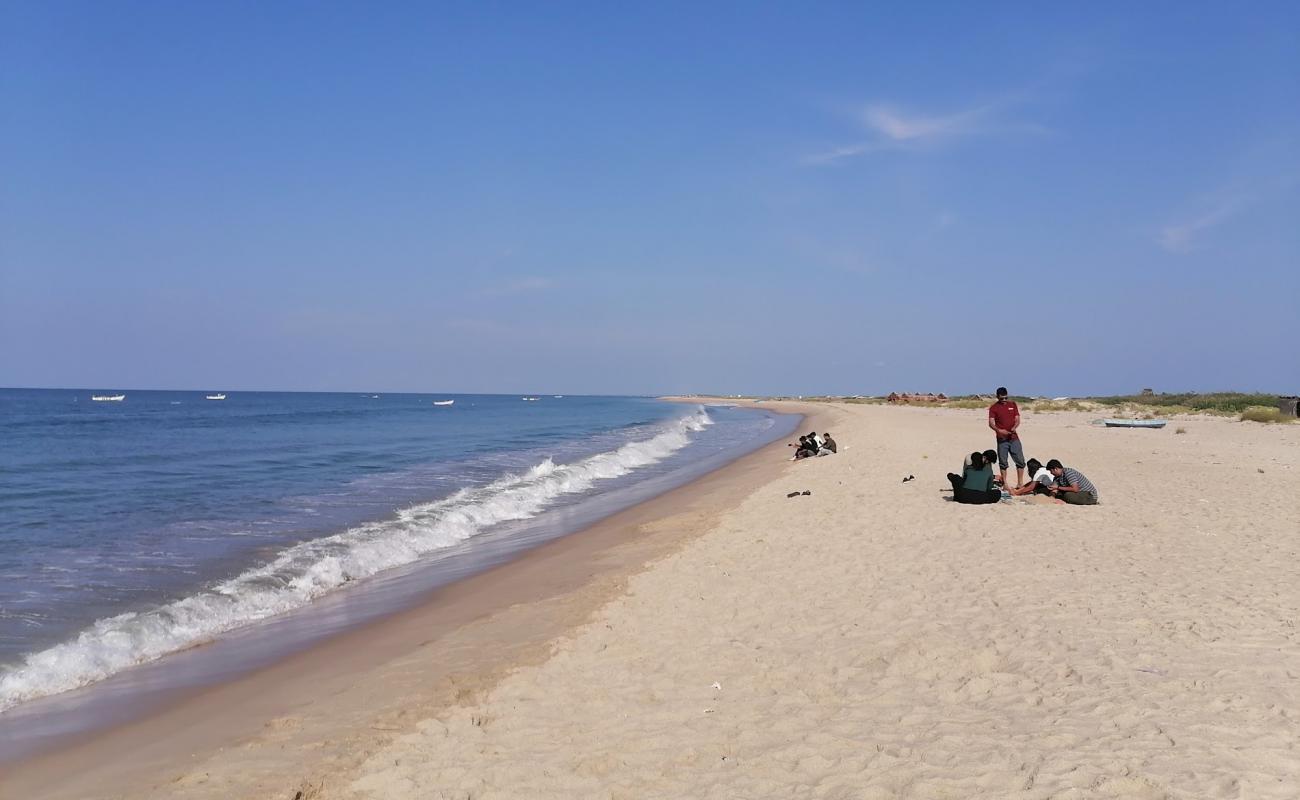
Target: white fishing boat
443,402
529,399
1134,423
108,398
558,396
214,396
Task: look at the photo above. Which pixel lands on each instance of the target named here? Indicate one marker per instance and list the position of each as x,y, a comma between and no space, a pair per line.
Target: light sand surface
870,640
874,640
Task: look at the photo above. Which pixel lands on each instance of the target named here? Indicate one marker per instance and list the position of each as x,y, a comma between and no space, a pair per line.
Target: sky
777,198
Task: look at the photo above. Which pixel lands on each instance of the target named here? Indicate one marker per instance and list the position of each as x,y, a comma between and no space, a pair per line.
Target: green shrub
1229,402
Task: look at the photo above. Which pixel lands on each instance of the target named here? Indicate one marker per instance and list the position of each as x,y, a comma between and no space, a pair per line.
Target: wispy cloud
1180,237
892,128
897,126
532,283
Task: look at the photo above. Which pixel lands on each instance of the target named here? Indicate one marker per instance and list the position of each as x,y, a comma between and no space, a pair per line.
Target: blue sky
729,197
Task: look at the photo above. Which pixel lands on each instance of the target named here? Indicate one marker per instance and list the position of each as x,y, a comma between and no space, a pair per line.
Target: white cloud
897,126
839,153
891,128
1179,237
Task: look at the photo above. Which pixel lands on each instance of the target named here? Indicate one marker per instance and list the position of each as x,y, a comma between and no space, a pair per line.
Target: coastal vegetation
1193,402
1247,406
1264,414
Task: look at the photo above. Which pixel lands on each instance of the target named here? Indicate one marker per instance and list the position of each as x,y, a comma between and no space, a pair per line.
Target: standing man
1004,419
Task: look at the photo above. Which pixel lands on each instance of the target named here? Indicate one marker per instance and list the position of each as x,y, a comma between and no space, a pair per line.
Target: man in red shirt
1004,419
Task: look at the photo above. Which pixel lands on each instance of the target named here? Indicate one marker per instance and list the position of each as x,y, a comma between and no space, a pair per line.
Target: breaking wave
310,569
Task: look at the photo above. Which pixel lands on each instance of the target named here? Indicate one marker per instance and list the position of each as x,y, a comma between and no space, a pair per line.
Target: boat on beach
108,398
214,396
1134,423
443,402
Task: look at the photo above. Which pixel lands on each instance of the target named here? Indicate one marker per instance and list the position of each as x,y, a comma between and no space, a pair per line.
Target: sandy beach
869,640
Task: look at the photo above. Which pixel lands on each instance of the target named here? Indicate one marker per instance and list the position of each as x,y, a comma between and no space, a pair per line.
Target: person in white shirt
1040,482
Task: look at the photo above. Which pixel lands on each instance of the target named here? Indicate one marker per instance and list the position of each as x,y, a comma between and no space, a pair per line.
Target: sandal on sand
909,478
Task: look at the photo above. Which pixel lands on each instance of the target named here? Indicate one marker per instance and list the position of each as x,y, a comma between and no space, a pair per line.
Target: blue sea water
132,529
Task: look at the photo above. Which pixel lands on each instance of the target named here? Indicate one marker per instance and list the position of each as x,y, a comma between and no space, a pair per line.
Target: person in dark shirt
828,443
989,457
975,486
804,449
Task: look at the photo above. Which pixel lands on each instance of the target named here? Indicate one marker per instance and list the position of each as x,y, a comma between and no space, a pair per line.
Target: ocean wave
310,569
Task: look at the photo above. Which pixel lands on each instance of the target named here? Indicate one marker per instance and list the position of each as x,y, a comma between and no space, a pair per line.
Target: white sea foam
310,569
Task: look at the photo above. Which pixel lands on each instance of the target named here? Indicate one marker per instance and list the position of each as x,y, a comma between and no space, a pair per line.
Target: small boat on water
214,396
108,398
443,402
529,399
1134,423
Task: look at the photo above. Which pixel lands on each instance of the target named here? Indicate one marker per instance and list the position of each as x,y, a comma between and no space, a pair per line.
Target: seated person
1072,486
989,457
804,449
975,487
828,444
1040,481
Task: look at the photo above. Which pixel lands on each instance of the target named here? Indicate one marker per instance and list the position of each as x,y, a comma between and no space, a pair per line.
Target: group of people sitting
977,485
814,445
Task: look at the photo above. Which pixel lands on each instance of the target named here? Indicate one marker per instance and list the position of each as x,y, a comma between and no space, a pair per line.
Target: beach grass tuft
1264,414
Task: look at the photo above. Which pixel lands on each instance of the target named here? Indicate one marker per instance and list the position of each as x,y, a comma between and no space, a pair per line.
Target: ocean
134,529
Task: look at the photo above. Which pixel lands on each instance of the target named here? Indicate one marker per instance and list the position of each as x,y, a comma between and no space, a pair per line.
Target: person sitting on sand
1072,486
989,457
804,449
976,486
1040,482
828,444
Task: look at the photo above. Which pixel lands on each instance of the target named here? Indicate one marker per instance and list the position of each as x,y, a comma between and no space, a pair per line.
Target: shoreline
873,639
489,623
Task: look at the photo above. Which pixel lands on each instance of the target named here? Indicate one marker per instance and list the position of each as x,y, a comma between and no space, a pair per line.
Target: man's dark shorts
1079,498
1012,447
